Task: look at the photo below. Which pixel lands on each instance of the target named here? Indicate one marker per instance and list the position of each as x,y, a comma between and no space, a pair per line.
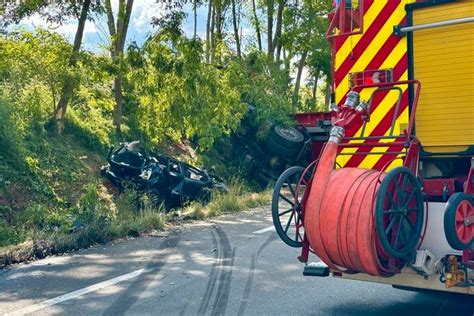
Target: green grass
236,200
52,200
123,219
126,221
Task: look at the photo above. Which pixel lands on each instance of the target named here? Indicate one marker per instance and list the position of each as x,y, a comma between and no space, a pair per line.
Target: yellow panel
444,63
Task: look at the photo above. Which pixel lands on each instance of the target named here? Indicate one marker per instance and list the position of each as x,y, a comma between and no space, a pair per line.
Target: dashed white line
69,296
261,231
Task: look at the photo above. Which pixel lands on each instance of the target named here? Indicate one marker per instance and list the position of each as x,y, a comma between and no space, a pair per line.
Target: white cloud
68,28
143,11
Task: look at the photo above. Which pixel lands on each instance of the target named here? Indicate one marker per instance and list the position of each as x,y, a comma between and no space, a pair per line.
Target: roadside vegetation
62,107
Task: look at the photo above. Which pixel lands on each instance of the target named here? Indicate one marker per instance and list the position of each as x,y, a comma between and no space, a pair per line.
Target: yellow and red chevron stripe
376,48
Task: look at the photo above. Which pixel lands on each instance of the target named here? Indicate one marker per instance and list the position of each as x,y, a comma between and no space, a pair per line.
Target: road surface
232,265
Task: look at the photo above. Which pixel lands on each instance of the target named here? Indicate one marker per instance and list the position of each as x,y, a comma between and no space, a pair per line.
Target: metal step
318,269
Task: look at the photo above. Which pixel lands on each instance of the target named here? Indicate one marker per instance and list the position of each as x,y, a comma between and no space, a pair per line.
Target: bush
9,235
11,138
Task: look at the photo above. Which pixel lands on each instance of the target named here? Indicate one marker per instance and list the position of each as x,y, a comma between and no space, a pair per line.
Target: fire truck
389,197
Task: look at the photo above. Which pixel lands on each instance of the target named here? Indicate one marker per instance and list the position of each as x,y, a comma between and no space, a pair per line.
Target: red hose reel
360,220
355,220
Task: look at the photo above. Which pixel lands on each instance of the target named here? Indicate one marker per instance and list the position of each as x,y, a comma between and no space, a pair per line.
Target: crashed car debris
167,181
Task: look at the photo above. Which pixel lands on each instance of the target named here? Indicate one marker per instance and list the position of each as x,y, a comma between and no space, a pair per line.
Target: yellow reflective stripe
352,40
371,160
396,55
396,163
373,48
376,117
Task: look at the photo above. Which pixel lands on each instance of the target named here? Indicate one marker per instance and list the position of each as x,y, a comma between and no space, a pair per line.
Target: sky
96,33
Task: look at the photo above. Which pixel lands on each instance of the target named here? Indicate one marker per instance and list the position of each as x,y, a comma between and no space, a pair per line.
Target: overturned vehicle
167,181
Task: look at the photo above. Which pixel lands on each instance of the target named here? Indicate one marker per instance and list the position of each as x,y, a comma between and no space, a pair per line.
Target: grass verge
236,200
104,219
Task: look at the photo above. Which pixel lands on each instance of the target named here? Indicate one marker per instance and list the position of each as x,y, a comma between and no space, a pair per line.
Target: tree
68,86
55,12
305,38
195,18
235,23
257,25
299,74
270,11
278,29
208,30
180,95
118,28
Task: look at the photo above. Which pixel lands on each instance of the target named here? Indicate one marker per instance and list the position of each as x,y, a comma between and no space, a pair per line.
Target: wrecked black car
167,181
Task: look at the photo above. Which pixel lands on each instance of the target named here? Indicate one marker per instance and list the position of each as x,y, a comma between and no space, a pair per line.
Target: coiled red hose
339,217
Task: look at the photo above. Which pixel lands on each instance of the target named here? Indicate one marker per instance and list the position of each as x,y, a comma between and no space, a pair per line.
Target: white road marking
261,231
69,296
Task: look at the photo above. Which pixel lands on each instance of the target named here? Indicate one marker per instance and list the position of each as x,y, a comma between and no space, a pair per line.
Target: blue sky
96,33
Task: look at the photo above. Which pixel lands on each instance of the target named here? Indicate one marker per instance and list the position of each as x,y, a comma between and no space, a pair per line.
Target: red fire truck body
403,71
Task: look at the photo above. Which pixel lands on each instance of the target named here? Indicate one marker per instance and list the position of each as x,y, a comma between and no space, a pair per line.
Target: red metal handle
411,122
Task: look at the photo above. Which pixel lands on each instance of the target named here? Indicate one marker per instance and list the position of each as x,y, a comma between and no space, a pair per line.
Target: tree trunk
298,78
68,86
278,29
270,9
328,95
213,36
236,29
118,35
208,31
195,18
314,92
218,27
110,22
257,26
315,87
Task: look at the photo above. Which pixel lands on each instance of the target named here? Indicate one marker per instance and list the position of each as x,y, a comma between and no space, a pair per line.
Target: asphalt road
232,265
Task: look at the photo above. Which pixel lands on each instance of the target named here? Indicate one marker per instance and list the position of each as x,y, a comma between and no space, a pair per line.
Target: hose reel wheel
287,207
399,212
459,221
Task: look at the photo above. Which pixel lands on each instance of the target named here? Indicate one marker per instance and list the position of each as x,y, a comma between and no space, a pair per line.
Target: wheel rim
302,195
399,212
464,229
287,207
289,133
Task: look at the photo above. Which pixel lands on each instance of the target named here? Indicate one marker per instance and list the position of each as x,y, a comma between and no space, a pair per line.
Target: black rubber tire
295,173
450,221
288,137
410,245
281,150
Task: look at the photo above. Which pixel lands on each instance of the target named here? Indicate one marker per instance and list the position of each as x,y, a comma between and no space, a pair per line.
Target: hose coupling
352,99
362,107
336,134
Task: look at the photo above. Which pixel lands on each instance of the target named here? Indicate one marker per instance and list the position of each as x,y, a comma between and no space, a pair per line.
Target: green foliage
179,95
266,87
237,199
11,138
48,185
9,235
